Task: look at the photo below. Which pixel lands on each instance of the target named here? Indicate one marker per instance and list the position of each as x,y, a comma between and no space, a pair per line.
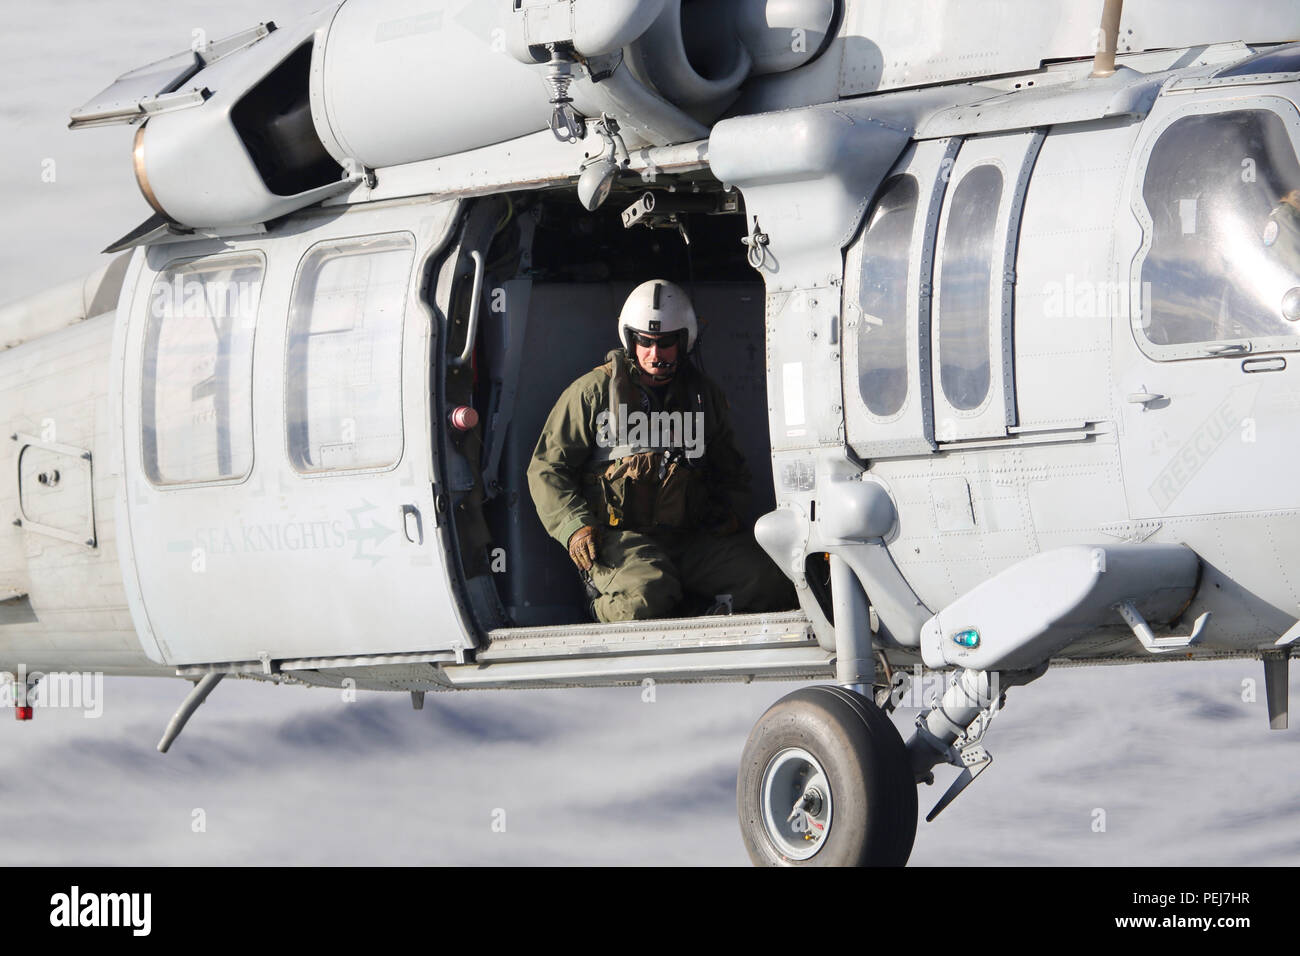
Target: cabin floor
672,635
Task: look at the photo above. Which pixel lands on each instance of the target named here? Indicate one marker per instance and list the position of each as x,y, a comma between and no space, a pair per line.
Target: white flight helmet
657,308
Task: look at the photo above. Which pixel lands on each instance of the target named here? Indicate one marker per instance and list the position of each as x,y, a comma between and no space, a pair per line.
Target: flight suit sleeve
555,471
730,478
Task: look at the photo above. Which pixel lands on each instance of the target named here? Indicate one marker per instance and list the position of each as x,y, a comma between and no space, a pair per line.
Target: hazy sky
57,55
1182,768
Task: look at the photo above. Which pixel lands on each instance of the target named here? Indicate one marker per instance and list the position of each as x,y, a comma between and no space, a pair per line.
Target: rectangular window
343,381
197,387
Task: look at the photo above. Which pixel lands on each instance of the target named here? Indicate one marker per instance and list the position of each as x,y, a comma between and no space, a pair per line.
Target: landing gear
825,780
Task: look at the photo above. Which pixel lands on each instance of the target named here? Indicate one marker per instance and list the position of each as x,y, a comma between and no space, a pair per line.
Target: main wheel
825,780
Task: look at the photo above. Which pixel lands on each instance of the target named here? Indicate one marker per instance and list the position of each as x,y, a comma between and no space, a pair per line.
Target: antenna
1103,64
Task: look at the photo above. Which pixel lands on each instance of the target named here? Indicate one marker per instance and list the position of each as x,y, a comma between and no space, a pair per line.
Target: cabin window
196,395
882,348
966,285
343,381
1222,193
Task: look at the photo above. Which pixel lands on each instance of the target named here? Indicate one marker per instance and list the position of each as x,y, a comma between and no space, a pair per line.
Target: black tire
865,762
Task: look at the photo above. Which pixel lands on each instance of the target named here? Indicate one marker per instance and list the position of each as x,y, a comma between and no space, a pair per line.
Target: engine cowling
274,120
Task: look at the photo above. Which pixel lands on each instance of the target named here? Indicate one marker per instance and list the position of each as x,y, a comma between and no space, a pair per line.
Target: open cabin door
279,472
481,304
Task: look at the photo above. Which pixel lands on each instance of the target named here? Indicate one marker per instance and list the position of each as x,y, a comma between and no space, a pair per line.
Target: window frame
1248,67
168,266
993,313
1289,114
910,431
412,242
907,314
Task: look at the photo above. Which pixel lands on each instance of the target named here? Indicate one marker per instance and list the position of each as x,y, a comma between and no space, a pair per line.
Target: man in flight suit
637,474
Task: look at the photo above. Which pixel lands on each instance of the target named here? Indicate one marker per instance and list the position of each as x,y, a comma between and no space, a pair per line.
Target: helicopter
1004,293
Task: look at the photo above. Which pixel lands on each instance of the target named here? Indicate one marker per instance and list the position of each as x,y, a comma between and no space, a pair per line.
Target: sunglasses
663,341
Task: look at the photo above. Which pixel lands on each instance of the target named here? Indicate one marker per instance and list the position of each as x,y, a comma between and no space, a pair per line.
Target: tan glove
582,547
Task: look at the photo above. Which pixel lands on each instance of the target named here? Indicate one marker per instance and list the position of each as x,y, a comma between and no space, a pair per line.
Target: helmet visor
664,341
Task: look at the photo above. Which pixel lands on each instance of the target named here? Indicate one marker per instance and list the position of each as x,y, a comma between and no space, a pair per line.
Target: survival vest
649,470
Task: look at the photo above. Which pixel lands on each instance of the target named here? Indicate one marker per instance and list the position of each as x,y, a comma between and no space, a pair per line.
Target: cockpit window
196,394
966,287
1223,195
886,248
343,381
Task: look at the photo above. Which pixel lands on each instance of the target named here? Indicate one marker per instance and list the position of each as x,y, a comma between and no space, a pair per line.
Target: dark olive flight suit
666,518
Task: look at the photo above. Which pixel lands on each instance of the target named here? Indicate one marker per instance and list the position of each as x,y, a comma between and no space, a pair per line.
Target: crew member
1282,229
638,475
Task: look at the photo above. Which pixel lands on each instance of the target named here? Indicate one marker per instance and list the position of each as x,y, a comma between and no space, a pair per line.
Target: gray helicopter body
1014,328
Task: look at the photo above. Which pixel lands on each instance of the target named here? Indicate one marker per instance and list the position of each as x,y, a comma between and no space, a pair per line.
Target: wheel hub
796,803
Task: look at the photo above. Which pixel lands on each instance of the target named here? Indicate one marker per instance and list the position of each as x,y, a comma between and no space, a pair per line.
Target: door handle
412,524
1145,398
475,297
